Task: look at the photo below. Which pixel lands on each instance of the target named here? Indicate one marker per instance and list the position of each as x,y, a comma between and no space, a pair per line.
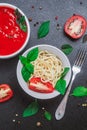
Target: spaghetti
48,67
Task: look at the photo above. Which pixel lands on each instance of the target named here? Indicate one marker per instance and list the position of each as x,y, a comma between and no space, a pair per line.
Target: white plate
65,62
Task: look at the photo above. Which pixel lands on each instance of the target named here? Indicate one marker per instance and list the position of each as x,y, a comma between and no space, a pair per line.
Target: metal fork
80,58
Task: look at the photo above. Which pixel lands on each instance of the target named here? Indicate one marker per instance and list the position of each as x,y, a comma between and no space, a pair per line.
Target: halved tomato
75,26
5,92
38,85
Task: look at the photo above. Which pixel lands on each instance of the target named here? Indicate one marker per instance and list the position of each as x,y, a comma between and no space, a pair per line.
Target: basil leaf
47,115
23,27
67,49
80,91
32,109
43,29
29,67
25,74
61,86
33,54
23,59
22,20
66,69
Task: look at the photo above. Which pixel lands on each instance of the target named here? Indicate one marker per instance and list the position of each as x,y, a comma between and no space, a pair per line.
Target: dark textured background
76,116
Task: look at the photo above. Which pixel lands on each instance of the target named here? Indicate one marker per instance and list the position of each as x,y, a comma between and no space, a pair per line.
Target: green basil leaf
66,69
43,29
23,59
33,54
32,109
47,115
23,27
61,86
80,91
22,20
67,49
29,67
25,74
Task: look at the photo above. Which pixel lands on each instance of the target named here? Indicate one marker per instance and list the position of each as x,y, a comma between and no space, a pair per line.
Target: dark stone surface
76,116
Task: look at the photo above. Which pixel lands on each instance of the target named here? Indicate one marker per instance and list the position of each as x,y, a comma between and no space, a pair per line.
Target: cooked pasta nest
48,67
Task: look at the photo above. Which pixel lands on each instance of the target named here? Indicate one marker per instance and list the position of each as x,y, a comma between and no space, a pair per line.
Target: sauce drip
11,36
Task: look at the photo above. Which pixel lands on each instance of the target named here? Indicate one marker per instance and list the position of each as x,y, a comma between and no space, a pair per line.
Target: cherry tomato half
37,85
5,92
75,26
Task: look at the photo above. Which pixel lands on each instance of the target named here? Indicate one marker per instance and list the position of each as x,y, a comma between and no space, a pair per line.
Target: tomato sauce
11,36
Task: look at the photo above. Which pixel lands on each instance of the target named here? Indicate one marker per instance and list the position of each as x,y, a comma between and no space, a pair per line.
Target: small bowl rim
38,96
28,32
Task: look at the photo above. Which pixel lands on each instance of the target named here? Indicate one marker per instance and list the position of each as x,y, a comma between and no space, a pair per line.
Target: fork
80,58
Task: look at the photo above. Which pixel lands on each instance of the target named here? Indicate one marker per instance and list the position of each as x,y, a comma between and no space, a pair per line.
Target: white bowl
28,32
65,62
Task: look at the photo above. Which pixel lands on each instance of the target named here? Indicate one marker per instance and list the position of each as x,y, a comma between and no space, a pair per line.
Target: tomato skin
9,93
82,26
35,81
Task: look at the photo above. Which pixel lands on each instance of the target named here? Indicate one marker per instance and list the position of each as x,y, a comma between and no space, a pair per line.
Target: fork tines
80,58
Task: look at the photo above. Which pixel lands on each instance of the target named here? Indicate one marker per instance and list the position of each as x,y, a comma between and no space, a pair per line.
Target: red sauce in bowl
12,37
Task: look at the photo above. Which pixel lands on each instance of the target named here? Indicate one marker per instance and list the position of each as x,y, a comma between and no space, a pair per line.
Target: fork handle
60,111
